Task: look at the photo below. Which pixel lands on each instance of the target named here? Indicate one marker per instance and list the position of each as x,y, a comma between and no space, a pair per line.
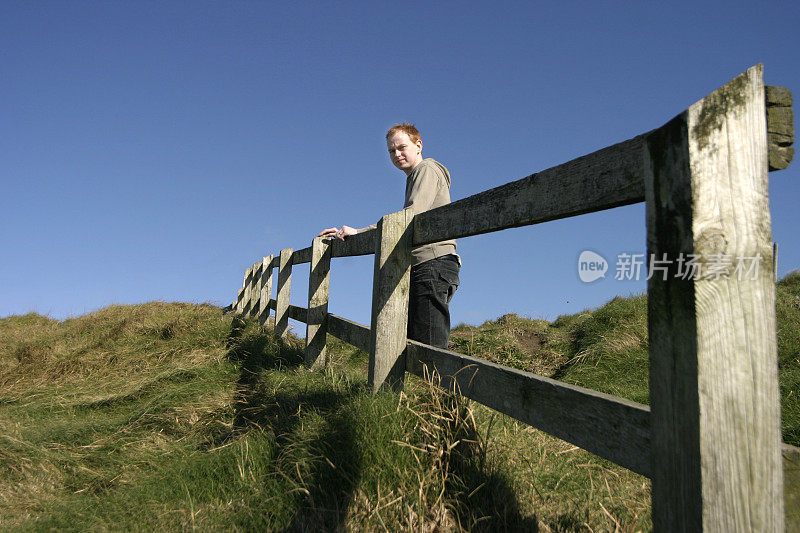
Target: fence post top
406,213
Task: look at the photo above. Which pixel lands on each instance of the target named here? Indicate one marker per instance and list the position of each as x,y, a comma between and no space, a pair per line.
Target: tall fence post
391,282
715,406
266,289
255,290
318,286
284,292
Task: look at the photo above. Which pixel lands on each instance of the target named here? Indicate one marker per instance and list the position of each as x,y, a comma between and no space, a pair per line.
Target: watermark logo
633,267
591,266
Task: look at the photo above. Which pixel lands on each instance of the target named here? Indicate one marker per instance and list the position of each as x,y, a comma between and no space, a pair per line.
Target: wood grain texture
779,96
266,289
358,244
608,178
713,361
318,287
780,127
791,486
284,292
611,427
352,332
390,290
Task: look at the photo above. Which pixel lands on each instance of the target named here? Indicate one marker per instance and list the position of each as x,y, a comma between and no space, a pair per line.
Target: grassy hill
171,416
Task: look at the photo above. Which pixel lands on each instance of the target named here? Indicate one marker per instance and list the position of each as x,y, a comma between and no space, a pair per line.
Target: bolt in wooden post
318,285
390,290
284,289
266,289
713,359
255,290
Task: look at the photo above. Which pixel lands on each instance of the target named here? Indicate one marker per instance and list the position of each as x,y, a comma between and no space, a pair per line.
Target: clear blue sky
154,150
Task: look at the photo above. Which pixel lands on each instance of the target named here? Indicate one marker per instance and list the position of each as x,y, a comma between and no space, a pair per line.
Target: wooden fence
711,438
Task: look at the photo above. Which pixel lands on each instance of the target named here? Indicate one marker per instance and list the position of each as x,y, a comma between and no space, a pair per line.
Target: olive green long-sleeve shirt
427,187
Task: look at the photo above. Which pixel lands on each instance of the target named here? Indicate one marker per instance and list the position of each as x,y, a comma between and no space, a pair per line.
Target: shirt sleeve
423,189
371,226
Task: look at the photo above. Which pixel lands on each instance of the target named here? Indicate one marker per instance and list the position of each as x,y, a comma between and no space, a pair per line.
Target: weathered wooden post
390,289
284,290
266,289
237,308
780,127
713,361
244,303
255,290
318,286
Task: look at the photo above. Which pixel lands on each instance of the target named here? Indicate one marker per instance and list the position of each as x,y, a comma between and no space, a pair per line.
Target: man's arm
420,197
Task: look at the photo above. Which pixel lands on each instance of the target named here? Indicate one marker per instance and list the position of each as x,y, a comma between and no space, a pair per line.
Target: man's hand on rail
337,233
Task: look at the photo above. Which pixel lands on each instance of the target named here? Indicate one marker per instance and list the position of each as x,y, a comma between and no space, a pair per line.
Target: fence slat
284,292
349,331
318,285
301,256
255,289
611,427
713,359
358,244
266,289
297,313
780,127
390,287
246,287
239,305
608,178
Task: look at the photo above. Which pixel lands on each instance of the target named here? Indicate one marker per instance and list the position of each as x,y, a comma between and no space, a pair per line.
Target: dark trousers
433,284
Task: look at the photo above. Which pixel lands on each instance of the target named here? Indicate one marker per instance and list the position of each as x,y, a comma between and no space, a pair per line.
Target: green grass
172,417
788,318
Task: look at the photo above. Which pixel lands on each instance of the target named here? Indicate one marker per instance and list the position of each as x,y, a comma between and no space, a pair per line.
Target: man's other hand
337,233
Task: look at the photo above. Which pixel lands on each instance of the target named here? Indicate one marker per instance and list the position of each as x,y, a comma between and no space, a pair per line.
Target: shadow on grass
317,457
322,466
484,498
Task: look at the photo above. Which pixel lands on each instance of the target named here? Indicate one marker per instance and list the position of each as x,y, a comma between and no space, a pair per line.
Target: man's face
404,154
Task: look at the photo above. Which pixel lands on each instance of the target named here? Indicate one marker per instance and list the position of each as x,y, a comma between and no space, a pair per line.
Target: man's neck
410,170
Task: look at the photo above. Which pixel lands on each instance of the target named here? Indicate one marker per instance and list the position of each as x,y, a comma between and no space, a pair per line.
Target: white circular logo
591,266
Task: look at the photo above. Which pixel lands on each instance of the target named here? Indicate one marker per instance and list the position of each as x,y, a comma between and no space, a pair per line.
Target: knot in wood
710,241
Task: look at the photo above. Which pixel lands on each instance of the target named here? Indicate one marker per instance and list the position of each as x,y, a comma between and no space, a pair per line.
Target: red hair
404,127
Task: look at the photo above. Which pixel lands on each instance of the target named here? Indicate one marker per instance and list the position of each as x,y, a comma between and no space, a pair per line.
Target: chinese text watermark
633,267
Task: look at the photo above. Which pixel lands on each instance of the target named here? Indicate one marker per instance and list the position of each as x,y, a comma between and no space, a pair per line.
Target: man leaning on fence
434,267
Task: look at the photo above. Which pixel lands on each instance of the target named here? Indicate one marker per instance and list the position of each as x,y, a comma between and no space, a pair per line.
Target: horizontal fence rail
613,428
608,178
689,441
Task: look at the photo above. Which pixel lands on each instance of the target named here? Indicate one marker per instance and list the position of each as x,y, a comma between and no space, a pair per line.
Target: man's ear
419,144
